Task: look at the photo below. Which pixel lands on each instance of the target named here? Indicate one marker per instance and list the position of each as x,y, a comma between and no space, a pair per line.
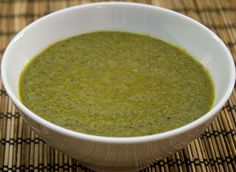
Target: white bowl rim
119,140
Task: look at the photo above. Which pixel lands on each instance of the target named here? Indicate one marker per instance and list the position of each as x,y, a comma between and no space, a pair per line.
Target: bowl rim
120,140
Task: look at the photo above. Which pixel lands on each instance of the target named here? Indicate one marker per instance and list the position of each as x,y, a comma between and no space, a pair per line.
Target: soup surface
116,84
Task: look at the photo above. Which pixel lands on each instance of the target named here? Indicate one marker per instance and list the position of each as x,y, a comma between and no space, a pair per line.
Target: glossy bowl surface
110,153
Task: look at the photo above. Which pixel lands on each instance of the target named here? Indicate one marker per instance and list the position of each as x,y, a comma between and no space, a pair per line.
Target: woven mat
22,150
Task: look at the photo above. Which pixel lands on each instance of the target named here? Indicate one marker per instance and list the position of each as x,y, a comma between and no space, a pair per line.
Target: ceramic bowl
110,153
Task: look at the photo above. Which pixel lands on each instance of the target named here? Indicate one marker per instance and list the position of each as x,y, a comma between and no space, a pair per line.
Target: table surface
22,150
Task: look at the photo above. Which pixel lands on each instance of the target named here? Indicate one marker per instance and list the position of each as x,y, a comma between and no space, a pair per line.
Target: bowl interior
165,24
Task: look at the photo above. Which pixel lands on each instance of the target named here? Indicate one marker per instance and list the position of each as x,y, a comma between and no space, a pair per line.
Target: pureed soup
116,84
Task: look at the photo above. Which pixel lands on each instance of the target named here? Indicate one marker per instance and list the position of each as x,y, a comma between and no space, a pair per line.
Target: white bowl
108,153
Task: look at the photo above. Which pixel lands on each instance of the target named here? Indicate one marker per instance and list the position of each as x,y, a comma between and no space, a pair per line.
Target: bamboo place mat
214,150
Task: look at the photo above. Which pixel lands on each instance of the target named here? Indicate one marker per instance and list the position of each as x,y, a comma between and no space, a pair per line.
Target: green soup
116,84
